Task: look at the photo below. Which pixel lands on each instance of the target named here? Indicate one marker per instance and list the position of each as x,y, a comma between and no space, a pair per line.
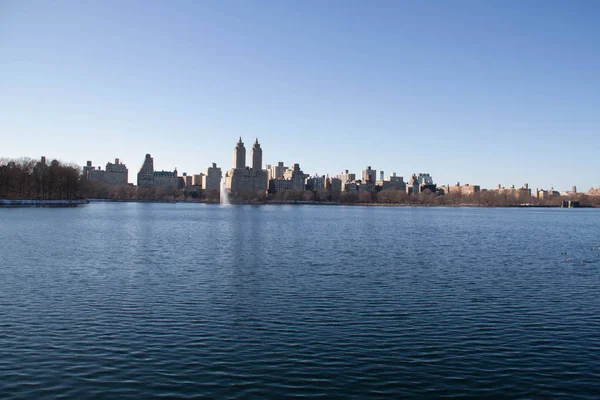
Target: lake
137,300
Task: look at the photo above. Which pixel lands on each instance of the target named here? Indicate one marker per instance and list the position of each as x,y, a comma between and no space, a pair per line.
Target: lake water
126,300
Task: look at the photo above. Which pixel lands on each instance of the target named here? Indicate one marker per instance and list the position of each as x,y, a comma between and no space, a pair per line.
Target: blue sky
481,92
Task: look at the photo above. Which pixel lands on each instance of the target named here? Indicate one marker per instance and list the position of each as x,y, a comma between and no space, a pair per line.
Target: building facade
293,179
546,194
256,156
463,190
333,186
86,170
239,155
367,186
165,179
347,180
350,187
211,179
594,191
280,185
187,180
116,174
197,180
276,171
522,193
242,180
145,177
424,179
369,175
315,183
413,185
96,175
419,183
297,177
392,182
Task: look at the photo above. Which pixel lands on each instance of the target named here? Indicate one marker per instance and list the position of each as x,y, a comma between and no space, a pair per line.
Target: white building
211,180
369,175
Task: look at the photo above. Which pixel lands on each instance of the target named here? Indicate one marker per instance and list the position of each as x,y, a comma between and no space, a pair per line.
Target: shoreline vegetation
329,203
28,182
42,203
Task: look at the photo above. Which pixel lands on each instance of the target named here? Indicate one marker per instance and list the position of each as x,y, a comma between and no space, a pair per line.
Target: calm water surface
187,300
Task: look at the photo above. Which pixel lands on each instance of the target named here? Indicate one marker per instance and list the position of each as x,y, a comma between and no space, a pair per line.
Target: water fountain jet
223,193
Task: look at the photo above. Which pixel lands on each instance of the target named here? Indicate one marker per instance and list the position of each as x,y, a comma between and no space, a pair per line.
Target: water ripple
188,301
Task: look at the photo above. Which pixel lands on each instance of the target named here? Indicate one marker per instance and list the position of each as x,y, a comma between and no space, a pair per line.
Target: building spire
256,155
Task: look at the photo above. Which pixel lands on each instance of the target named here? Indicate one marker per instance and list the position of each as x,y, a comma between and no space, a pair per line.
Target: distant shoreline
78,202
324,203
42,203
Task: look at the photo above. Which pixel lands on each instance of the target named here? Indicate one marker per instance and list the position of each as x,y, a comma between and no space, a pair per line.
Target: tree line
26,178
485,198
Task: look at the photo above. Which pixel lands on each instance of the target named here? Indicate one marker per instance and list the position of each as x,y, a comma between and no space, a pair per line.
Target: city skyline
411,87
253,164
131,178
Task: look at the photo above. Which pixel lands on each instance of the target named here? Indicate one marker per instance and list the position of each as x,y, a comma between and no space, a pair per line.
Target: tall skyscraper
256,154
239,155
145,177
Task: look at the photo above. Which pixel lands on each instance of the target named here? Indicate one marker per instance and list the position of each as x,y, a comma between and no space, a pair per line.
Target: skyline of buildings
253,178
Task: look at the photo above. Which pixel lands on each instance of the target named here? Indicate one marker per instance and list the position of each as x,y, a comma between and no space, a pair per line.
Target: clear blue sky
481,92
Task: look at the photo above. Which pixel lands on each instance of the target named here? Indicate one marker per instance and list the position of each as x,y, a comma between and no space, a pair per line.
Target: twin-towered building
242,179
